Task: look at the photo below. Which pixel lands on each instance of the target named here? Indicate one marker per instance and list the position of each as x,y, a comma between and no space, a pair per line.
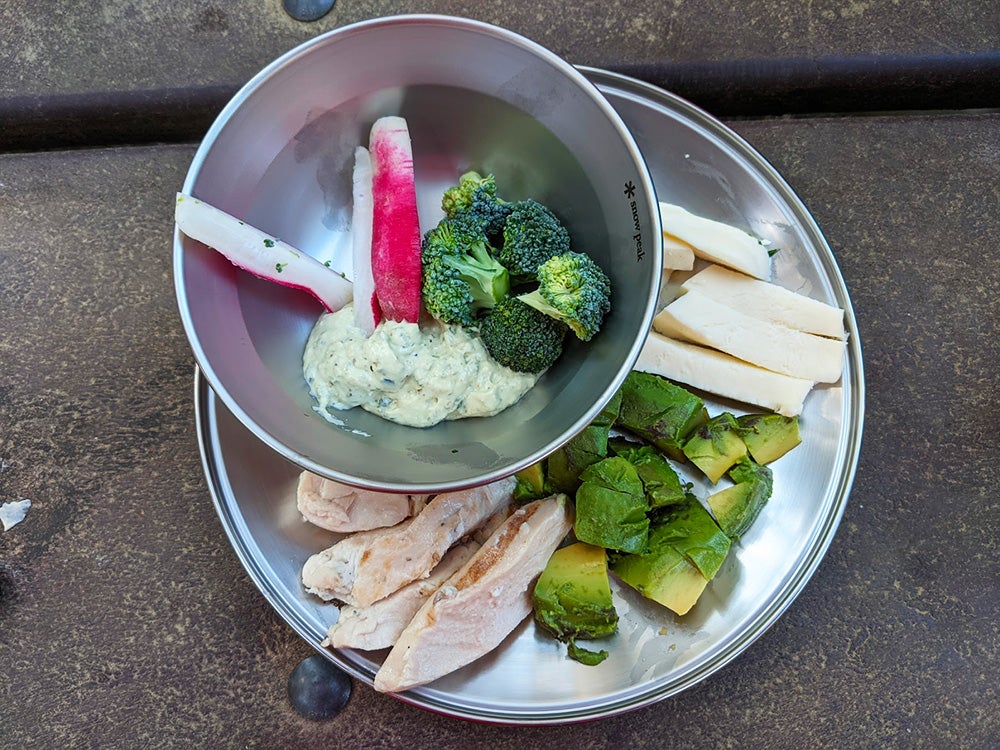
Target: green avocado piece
737,507
662,485
769,436
659,412
585,448
611,506
748,470
663,575
692,531
585,656
686,548
572,598
567,463
731,508
531,483
716,446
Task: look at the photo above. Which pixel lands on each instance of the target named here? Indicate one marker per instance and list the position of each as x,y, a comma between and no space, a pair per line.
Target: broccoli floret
531,235
475,203
458,198
572,288
521,338
488,213
460,277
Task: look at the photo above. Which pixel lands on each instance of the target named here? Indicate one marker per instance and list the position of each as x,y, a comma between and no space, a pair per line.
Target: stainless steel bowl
279,156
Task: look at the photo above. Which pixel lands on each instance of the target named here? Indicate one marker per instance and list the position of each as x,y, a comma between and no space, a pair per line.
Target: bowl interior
280,157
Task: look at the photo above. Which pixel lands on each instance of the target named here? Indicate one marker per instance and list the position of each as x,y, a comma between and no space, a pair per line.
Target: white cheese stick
677,254
698,318
767,301
718,373
717,242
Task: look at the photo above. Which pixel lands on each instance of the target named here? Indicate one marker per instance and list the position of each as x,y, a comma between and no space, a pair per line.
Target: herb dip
416,375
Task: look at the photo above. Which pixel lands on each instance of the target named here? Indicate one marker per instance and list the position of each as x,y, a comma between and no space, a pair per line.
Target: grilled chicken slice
370,565
491,524
379,625
482,603
340,507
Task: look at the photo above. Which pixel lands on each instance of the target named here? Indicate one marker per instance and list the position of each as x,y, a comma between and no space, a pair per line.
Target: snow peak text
637,237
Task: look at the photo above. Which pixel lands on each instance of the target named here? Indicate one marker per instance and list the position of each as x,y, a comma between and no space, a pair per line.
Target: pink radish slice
366,310
259,253
395,225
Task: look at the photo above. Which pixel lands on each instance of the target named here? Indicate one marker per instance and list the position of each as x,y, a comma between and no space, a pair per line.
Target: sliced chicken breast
342,508
330,574
491,524
370,565
482,603
379,625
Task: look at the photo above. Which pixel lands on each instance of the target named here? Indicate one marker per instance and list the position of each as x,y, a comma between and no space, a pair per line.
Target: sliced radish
366,310
396,226
259,253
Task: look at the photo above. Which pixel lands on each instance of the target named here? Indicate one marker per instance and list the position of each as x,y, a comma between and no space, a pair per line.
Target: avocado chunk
716,446
692,531
730,508
611,506
686,548
769,436
659,412
659,480
532,484
572,599
585,448
737,507
663,575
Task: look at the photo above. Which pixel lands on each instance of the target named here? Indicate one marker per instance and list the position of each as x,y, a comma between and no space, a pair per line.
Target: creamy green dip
416,375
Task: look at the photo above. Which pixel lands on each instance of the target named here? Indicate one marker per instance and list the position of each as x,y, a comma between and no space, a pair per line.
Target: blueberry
318,689
307,10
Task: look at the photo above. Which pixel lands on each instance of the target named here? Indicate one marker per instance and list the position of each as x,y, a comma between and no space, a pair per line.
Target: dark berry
318,689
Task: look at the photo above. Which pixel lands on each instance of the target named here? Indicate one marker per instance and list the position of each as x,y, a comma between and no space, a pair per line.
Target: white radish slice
366,309
261,254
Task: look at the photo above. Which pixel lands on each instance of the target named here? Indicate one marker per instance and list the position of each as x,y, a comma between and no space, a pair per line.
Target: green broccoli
531,235
458,198
521,338
460,277
572,288
487,213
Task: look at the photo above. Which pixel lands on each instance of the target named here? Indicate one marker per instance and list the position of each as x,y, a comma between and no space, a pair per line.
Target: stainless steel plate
697,162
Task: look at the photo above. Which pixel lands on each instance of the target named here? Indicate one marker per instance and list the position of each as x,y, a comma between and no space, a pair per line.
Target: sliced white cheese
718,373
767,301
677,254
698,318
717,242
